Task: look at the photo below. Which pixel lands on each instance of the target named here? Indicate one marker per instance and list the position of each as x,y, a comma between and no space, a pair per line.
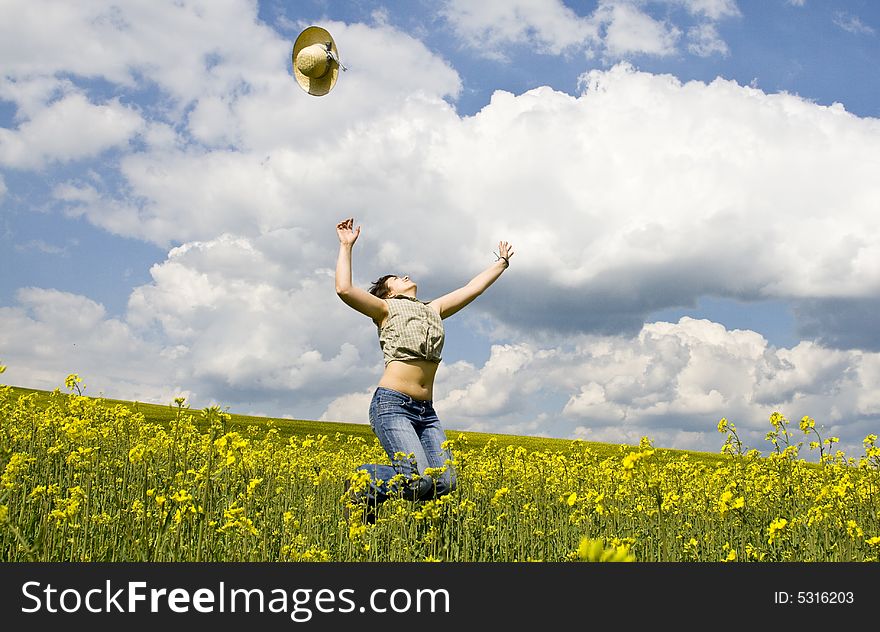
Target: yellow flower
595,551
499,495
136,454
599,508
434,473
777,420
15,469
181,497
754,554
572,499
854,530
722,425
72,380
807,424
777,525
356,530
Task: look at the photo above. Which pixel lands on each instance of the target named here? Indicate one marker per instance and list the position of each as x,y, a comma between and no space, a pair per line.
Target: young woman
411,336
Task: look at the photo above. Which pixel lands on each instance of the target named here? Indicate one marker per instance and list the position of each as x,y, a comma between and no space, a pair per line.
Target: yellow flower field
83,480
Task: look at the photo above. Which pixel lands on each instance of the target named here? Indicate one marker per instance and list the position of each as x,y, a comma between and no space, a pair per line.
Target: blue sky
690,186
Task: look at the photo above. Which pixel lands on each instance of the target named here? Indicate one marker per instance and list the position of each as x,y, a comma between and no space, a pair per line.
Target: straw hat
315,61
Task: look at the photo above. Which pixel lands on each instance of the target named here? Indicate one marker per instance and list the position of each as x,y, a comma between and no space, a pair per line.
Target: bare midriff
413,377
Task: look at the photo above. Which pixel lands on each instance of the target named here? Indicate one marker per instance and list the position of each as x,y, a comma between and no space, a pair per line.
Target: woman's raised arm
354,297
449,304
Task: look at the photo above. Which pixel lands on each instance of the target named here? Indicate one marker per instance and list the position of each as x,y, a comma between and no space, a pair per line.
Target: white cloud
251,317
630,31
851,23
69,129
51,334
3,188
666,175
618,28
188,49
796,3
236,321
703,40
711,9
490,26
487,394
682,190
349,408
671,382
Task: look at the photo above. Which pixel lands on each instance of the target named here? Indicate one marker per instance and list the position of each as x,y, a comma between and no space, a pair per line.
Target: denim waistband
382,391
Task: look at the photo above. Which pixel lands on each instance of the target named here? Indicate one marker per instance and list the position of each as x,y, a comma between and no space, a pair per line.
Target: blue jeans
408,426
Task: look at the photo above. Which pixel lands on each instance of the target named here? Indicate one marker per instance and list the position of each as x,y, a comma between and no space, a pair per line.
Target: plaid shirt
412,331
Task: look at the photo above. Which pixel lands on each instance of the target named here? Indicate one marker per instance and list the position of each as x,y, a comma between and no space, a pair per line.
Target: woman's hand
347,236
505,251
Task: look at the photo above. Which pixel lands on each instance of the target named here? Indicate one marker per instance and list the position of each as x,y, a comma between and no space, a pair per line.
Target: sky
690,188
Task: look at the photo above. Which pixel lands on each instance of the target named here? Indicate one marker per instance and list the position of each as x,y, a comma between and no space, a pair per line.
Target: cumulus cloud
671,382
69,129
680,190
127,43
287,150
491,26
703,40
234,321
631,31
251,317
677,189
618,29
50,334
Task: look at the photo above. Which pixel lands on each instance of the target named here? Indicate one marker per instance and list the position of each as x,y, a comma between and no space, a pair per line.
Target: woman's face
400,285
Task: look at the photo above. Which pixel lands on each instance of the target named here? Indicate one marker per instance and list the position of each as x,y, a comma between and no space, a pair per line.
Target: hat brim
321,85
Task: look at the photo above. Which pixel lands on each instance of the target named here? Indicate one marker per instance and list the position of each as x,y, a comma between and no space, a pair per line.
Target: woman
411,337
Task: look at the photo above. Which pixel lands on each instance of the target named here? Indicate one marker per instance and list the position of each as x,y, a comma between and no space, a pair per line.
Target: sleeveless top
412,331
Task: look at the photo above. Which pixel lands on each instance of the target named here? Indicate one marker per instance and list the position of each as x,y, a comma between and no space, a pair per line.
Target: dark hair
379,288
